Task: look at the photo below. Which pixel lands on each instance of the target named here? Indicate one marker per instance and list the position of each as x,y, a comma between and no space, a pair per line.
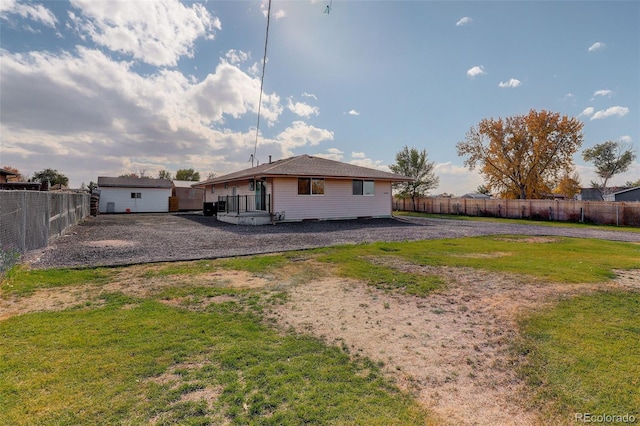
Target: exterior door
261,196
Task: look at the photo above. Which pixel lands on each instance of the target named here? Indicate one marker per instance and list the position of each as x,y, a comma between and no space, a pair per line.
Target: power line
264,63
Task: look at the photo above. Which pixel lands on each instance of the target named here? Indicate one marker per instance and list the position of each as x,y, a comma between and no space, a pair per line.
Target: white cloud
157,32
615,110
588,111
625,139
358,154
332,154
476,71
511,83
464,21
264,8
231,92
596,46
37,12
237,56
353,112
95,116
456,179
309,95
372,164
301,109
607,93
301,134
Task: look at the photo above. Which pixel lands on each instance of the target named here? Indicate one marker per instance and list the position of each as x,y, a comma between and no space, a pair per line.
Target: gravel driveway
140,238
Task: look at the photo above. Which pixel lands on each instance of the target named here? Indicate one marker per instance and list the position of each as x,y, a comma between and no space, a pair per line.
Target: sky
104,88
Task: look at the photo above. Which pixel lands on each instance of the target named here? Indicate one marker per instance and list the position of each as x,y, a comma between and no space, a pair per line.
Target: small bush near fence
596,212
30,219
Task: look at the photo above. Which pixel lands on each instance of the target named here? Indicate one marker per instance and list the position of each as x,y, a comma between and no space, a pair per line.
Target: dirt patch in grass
451,349
131,283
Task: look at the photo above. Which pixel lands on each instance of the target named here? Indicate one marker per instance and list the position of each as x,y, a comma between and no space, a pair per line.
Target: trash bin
208,209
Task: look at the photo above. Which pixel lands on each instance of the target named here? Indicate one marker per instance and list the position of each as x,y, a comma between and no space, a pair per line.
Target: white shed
134,195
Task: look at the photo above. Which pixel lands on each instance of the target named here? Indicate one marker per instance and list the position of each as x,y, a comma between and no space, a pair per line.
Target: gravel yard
142,238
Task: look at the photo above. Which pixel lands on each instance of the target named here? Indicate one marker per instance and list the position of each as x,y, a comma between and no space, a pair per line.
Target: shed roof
183,183
129,182
626,190
307,165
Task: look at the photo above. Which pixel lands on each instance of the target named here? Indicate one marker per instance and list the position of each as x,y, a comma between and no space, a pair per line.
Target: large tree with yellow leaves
523,156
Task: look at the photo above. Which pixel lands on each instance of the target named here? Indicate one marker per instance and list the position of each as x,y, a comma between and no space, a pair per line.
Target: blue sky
102,88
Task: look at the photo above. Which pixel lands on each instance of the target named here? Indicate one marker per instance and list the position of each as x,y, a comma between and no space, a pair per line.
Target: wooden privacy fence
597,212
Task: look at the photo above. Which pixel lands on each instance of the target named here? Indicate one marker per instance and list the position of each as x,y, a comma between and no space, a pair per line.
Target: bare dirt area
451,349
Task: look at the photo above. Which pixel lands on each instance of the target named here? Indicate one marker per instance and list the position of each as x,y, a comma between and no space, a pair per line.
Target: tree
414,164
92,186
632,184
164,174
130,175
609,159
569,185
50,177
482,189
187,174
523,156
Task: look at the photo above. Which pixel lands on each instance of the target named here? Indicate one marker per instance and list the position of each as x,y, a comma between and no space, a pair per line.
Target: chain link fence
31,219
596,212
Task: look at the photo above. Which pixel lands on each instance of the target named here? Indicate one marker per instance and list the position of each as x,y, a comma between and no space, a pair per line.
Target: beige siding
336,203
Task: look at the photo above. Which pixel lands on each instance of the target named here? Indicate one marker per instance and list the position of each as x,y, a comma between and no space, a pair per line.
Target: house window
136,195
364,187
310,186
251,186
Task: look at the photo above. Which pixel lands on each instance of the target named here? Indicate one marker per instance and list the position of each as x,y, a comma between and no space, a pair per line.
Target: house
7,184
301,188
133,195
629,194
186,197
5,175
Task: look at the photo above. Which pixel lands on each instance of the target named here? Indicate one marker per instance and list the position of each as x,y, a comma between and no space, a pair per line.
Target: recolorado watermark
605,418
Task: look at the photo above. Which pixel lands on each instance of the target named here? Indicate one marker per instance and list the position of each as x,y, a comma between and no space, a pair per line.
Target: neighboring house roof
183,183
624,195
595,194
476,195
626,190
306,165
128,182
5,172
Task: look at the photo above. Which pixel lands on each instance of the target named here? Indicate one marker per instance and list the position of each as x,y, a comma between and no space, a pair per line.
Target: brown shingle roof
128,182
306,165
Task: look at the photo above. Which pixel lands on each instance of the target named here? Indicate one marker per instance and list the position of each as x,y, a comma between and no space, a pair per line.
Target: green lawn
552,223
583,355
105,364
